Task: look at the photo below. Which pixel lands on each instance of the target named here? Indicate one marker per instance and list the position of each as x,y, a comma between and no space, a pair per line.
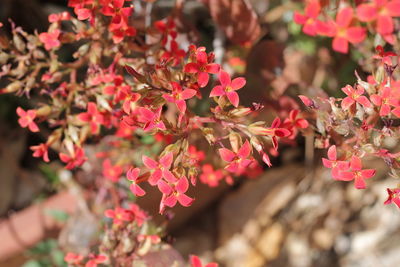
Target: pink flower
385,100
357,173
116,10
381,12
179,96
195,262
337,166
384,56
210,176
119,215
27,119
293,123
341,31
75,160
95,260
111,172
353,96
237,160
151,119
202,67
275,131
50,39
73,258
160,169
228,87
176,193
308,20
393,197
133,175
174,54
92,116
41,150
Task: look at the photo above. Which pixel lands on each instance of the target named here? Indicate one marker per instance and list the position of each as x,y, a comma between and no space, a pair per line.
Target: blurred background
292,214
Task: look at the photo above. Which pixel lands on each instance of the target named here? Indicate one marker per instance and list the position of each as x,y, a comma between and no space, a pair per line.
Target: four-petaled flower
27,119
228,87
151,119
50,39
76,159
160,169
333,163
202,67
176,193
119,215
210,176
382,12
385,101
341,31
92,116
237,160
356,173
293,123
133,175
393,196
353,96
309,19
179,96
41,150
111,172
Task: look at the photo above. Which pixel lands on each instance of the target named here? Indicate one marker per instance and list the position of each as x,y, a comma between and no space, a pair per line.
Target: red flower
83,9
385,100
179,96
353,96
176,193
228,87
337,166
119,215
237,160
41,150
293,123
341,30
167,29
27,119
73,258
174,54
59,17
195,262
393,197
308,20
357,173
151,119
384,56
161,168
133,175
96,259
50,39
381,12
202,67
275,131
111,172
116,10
76,159
93,116
210,176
